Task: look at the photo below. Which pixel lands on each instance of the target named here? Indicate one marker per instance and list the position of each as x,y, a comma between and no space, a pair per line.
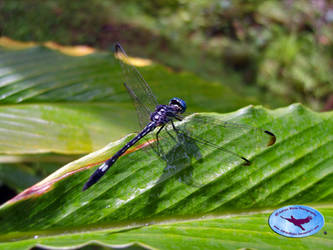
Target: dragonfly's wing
231,141
261,138
140,92
142,112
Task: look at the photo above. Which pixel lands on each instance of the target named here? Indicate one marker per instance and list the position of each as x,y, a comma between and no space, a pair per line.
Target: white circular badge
296,221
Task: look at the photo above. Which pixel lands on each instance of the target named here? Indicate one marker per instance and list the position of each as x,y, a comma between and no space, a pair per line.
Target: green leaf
52,102
18,177
232,231
196,203
21,172
62,128
39,75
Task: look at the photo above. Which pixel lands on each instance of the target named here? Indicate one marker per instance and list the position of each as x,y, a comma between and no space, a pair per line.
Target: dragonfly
152,115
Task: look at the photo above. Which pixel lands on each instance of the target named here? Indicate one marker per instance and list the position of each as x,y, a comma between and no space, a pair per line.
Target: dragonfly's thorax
163,114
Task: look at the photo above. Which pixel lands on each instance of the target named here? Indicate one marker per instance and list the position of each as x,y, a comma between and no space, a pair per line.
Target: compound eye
179,102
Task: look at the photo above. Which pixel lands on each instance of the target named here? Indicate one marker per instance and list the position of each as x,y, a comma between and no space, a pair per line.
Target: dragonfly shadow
179,159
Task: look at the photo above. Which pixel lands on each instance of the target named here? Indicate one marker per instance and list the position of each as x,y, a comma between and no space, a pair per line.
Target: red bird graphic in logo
298,222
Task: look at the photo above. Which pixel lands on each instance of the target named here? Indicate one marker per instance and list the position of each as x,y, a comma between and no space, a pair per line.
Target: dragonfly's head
179,103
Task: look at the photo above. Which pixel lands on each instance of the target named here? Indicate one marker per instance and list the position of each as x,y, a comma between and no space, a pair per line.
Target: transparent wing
230,142
142,112
231,131
140,92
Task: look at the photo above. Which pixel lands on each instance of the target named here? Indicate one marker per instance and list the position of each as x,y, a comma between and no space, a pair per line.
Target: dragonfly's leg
180,134
170,157
182,138
159,147
173,126
158,132
173,138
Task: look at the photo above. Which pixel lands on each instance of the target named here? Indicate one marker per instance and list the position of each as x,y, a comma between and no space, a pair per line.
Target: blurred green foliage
64,21
275,50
